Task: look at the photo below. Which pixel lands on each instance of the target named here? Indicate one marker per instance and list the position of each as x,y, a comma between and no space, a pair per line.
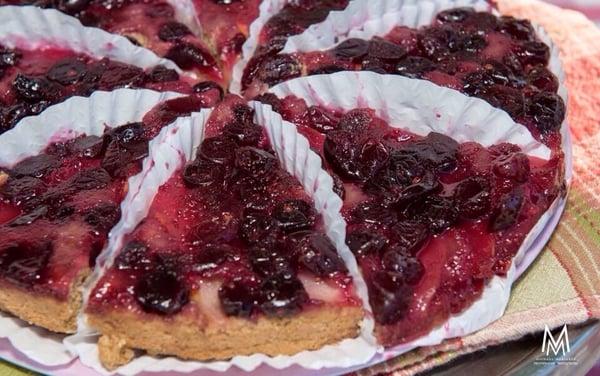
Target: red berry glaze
231,220
429,220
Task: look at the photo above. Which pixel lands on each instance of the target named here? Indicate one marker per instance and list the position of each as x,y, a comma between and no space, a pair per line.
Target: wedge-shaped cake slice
33,79
231,259
292,19
430,220
56,209
152,24
498,59
58,205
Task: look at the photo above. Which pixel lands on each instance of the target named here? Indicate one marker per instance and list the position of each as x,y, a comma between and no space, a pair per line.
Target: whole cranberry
397,260
219,149
318,255
364,243
352,48
25,263
35,89
256,227
189,56
207,87
282,295
103,216
267,260
36,166
409,235
542,79
382,49
67,72
202,173
518,29
238,297
256,163
513,166
294,215
374,212
414,66
455,15
173,30
473,197
438,212
320,119
356,120
23,189
163,74
547,110
533,53
507,211
134,256
279,68
389,296
161,291
88,146
340,151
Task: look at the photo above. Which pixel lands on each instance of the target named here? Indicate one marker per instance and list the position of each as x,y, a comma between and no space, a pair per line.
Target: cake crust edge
186,338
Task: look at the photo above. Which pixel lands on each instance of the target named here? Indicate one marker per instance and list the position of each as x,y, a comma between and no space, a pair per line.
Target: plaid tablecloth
563,285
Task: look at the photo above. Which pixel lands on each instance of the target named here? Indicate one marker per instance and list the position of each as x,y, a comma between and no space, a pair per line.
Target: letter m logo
560,344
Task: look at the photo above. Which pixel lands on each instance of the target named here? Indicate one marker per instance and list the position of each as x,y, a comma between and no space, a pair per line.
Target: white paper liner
185,12
169,151
368,18
30,27
420,107
416,105
66,120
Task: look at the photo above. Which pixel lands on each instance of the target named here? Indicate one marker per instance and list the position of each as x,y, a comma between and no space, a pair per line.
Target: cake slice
56,209
33,79
292,19
231,259
148,23
430,220
498,59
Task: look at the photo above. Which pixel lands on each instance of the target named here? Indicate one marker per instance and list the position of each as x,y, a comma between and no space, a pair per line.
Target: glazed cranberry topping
231,218
498,59
426,215
59,206
149,23
34,80
294,18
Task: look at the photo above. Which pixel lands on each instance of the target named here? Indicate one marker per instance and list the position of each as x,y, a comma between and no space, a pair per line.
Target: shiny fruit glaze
231,224
148,23
293,19
58,207
498,59
32,80
430,220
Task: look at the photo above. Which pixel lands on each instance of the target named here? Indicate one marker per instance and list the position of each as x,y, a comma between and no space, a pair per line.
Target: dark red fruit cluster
253,233
157,18
50,191
413,189
498,59
81,76
295,17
